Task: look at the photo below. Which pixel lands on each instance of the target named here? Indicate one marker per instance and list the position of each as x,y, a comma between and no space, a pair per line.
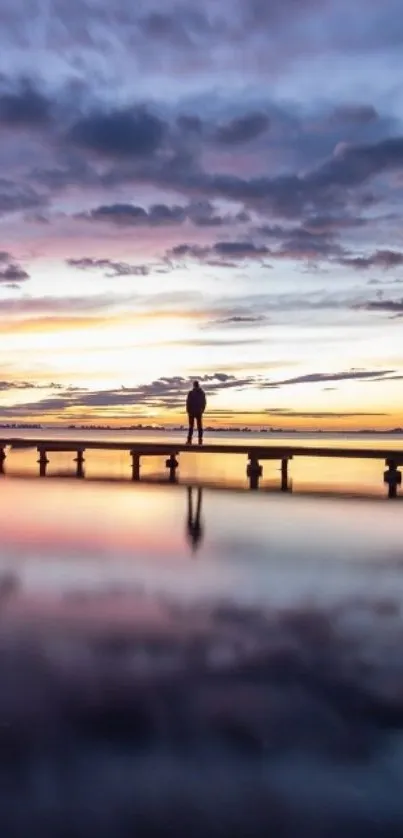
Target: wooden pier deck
254,453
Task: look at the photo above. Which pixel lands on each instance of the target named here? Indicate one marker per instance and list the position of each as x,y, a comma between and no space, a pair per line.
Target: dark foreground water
178,662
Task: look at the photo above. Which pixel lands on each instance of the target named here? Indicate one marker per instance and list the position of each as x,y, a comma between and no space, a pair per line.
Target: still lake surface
333,535
192,659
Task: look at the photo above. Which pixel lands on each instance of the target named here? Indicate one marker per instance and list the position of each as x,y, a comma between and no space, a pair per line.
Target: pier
255,456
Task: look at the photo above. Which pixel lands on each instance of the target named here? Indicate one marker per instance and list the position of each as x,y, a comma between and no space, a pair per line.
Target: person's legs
191,427
199,420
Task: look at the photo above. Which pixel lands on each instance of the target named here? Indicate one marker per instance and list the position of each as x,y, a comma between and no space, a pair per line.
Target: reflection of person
194,526
9,585
195,407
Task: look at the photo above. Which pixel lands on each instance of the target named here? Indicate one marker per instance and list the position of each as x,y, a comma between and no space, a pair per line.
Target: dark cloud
22,106
130,133
325,189
15,197
216,343
5,386
164,393
293,244
182,26
202,214
303,244
109,266
325,414
225,253
241,250
130,215
240,320
319,377
143,147
356,114
388,306
11,273
242,129
380,259
314,240
190,123
353,165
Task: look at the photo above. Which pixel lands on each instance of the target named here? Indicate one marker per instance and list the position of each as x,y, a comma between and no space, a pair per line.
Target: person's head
196,385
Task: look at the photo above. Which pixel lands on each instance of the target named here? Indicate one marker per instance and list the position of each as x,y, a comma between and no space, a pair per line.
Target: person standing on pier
195,407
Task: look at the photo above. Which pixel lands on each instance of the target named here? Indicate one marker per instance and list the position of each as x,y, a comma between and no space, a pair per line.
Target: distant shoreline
209,429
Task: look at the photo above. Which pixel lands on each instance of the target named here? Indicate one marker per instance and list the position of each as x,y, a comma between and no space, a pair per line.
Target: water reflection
194,525
9,585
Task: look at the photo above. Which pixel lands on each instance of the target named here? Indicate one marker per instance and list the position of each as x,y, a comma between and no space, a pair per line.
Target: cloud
319,377
109,266
292,244
242,129
353,165
241,250
199,213
241,320
16,197
380,259
388,306
11,273
22,106
167,393
325,414
5,386
128,133
355,114
130,215
224,253
303,244
322,189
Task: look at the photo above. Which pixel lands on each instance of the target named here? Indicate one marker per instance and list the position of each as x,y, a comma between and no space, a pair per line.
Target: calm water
60,537
180,660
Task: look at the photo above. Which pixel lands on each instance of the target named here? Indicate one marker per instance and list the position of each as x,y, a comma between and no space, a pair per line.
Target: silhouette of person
194,526
195,407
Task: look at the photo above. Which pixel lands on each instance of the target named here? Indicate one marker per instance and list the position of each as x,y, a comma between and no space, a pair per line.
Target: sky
211,191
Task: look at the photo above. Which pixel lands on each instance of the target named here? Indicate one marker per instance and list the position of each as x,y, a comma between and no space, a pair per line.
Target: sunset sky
209,190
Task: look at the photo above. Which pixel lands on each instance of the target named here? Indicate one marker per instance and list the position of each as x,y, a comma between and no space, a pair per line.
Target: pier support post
172,464
3,457
285,487
43,462
80,463
254,471
392,477
135,465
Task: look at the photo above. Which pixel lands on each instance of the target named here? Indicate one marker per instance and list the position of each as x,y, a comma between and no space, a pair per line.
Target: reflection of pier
256,455
194,525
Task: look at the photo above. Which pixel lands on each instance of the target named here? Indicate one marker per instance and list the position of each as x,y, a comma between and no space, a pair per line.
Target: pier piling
172,464
392,477
135,465
284,475
43,462
254,471
80,463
